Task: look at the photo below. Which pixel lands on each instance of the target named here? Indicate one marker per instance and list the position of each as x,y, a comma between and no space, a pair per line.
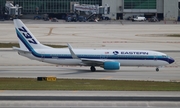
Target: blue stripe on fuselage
68,56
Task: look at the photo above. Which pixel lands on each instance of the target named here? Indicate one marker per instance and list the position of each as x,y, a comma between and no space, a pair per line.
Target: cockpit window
164,56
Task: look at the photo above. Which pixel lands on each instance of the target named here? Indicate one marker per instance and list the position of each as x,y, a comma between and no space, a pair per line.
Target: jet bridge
91,10
11,10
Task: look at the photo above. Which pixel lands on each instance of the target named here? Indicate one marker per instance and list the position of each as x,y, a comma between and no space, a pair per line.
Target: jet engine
111,65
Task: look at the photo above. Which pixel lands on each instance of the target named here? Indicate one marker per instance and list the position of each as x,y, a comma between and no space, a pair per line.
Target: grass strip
86,84
10,45
174,35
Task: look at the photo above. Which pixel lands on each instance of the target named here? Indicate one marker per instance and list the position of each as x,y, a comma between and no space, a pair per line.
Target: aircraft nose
171,60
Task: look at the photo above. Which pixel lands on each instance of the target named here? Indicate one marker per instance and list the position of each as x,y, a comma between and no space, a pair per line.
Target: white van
139,18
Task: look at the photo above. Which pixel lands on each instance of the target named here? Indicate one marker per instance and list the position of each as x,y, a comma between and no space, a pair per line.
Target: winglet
74,56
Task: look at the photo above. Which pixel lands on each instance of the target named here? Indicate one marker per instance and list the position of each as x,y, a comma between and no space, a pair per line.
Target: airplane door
42,56
155,58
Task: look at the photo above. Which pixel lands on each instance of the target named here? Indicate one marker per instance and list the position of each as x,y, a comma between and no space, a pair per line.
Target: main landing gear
157,69
93,69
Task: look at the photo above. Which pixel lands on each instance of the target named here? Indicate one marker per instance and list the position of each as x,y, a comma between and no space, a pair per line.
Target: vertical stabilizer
26,38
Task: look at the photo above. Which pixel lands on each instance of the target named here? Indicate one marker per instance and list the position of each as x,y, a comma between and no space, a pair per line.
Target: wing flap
92,62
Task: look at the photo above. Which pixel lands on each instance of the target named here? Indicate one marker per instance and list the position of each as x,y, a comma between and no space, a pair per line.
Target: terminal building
119,9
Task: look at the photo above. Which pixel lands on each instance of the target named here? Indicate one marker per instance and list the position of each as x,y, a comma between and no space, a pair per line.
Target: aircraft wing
87,62
92,62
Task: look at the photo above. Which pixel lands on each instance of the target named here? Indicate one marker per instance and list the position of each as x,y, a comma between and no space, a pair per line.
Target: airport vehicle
71,18
82,19
68,18
131,17
153,19
139,18
31,48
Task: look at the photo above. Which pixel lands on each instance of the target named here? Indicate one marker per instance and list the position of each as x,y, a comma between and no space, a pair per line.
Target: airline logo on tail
25,33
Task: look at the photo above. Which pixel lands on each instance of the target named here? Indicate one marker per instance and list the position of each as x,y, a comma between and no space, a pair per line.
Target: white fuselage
125,57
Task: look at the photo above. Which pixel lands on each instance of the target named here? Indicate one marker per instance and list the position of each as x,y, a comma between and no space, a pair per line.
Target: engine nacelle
111,65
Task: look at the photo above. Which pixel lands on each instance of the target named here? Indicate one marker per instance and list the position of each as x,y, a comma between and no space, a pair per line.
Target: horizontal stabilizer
19,49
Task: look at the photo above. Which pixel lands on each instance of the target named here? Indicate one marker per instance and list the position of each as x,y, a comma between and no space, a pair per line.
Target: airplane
31,48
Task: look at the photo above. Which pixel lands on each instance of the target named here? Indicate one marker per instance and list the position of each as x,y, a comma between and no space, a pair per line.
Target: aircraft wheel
93,69
157,69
